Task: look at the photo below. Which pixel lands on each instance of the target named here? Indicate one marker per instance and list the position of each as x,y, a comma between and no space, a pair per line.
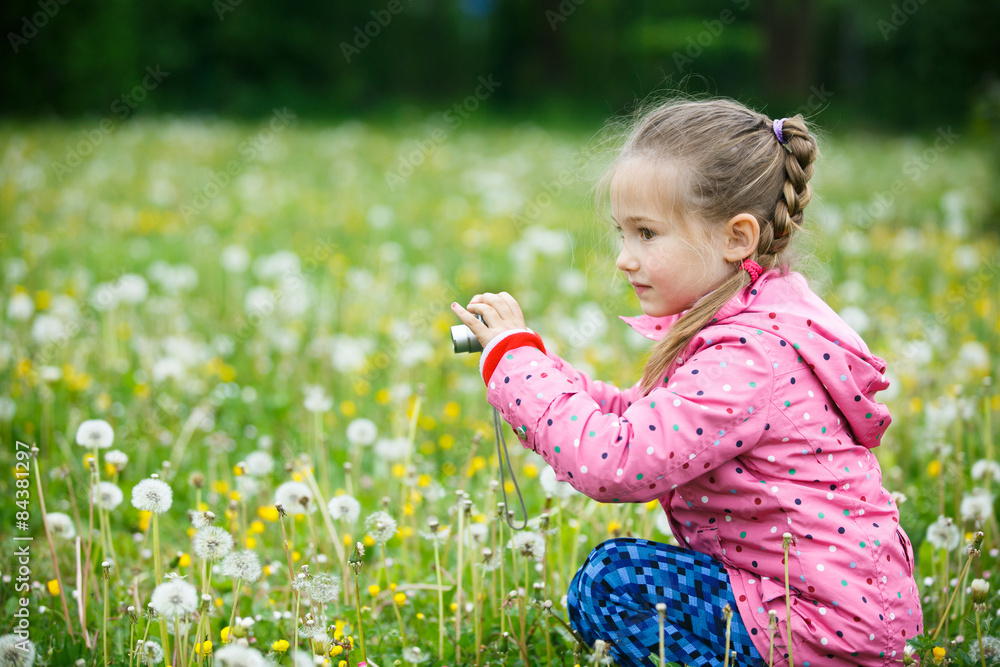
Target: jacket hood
783,305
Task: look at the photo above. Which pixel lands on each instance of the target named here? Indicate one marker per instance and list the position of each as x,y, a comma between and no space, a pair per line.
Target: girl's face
663,256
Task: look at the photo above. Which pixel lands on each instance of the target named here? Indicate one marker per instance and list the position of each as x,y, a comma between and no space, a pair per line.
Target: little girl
752,424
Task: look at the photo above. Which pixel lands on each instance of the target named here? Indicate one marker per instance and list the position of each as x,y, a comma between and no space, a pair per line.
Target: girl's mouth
639,289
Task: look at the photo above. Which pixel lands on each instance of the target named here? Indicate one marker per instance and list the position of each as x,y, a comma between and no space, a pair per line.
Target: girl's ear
742,233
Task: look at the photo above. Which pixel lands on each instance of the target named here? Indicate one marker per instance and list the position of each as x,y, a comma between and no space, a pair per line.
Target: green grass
479,212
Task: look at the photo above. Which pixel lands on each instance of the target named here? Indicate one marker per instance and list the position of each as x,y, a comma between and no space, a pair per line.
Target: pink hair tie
753,268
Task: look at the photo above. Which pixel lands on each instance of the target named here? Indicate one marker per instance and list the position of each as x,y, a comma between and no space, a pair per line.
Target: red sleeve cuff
515,340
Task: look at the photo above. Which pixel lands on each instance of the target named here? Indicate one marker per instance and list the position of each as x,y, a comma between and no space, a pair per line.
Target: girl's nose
626,261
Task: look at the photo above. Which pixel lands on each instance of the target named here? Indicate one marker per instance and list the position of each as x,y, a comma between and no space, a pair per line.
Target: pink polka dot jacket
763,425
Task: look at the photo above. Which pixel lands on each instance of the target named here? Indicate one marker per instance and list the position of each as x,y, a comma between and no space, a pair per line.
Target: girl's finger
515,308
499,304
467,317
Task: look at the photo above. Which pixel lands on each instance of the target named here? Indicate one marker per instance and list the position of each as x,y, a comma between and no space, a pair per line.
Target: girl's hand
500,311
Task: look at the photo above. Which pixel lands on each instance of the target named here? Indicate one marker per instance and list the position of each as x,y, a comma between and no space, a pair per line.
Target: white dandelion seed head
152,495
393,449
174,598
295,497
234,655
381,526
16,652
248,486
150,653
440,536
344,507
323,588
528,543
414,656
491,560
117,458
984,467
107,495
944,534
991,651
242,565
95,434
61,525
259,463
362,431
552,486
201,519
316,399
212,543
976,505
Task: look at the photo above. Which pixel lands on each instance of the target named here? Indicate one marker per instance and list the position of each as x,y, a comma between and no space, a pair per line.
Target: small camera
464,340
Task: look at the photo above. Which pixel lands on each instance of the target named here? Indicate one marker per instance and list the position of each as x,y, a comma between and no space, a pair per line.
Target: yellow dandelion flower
374,590
405,531
205,648
221,486
266,570
234,495
279,646
939,653
934,468
392,586
427,448
257,527
407,509
452,409
613,526
342,663
269,513
296,556
251,542
191,530
454,607
427,422
23,368
224,634
348,540
217,602
337,650
652,504
398,470
509,486
446,441
110,470
203,506
144,520
382,396
530,470
53,586
140,390
424,480
87,458
42,299
348,409
369,541
184,560
296,477
238,470
420,616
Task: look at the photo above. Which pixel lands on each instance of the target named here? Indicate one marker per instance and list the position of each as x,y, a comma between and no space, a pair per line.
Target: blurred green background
901,65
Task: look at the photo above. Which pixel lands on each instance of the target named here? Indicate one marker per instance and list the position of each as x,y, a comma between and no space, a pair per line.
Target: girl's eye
646,233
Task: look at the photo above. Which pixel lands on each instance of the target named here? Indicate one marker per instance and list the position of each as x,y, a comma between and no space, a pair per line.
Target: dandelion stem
357,607
974,549
979,636
104,625
236,602
522,602
52,549
458,587
392,597
727,611
787,540
437,567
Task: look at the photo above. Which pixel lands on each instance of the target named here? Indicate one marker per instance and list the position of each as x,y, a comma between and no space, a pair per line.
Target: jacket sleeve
608,396
713,409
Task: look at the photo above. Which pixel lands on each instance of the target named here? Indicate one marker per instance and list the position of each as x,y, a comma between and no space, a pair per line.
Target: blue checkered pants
614,595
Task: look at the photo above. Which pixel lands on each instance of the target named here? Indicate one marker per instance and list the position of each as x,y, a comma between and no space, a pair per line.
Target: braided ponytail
735,164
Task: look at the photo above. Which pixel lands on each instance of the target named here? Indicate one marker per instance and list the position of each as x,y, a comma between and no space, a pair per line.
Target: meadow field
206,319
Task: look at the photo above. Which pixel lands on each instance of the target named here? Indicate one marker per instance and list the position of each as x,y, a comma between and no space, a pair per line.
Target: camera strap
501,455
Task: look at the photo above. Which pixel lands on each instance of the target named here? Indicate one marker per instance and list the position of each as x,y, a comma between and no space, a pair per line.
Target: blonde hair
733,163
